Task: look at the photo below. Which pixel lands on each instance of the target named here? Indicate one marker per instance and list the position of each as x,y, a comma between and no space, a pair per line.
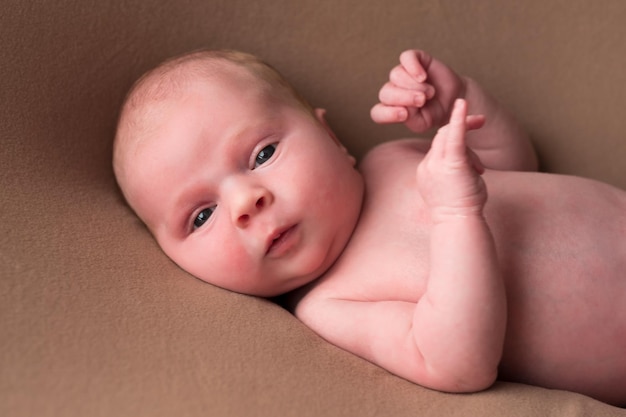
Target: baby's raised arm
450,339
462,314
420,93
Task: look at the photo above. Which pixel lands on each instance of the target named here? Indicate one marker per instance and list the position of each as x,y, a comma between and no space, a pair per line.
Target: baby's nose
249,203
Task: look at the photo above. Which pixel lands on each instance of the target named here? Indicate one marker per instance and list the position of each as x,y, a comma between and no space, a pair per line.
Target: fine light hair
175,72
172,76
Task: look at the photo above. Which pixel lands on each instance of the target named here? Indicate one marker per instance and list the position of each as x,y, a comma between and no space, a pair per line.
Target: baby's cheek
231,265
234,259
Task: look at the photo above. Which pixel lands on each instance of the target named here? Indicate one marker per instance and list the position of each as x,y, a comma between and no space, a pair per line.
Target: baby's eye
265,155
203,217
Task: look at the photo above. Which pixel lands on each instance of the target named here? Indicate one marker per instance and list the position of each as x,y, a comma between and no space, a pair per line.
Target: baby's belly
564,263
568,336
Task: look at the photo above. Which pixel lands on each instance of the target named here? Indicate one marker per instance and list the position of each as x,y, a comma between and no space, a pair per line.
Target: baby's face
247,193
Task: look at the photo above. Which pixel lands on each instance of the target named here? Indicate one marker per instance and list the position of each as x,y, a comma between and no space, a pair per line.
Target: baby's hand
420,92
449,177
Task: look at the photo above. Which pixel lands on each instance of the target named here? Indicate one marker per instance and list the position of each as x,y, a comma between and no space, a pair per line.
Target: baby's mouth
280,241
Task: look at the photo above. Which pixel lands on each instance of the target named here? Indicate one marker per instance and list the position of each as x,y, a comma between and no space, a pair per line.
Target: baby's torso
561,246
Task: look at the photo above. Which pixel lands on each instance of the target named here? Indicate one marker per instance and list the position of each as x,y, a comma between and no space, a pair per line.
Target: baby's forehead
155,92
158,96
168,83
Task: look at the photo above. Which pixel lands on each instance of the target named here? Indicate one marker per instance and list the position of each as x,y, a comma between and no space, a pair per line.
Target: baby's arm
462,314
421,92
452,338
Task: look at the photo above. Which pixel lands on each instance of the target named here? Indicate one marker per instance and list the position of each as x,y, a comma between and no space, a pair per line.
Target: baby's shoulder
399,147
394,154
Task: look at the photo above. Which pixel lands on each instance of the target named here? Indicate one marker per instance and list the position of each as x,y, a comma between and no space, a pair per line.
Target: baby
404,260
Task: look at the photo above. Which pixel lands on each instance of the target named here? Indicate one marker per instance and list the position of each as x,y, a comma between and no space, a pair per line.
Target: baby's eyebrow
178,218
187,199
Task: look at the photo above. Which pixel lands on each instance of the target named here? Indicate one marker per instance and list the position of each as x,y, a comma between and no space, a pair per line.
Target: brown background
96,321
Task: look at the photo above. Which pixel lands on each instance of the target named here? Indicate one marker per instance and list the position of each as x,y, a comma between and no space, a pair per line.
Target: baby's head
240,180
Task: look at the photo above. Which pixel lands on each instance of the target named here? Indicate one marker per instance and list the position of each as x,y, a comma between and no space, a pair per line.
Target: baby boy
402,260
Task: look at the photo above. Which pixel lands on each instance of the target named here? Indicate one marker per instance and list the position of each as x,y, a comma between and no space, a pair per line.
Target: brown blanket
96,321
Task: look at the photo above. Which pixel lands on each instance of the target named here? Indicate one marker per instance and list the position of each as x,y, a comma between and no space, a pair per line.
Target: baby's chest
387,258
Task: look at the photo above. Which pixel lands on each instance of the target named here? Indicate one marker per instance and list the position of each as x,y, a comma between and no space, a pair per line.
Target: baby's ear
320,115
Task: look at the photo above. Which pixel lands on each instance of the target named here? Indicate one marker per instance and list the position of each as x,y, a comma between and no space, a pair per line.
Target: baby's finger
393,95
455,143
474,121
400,77
383,114
415,62
437,147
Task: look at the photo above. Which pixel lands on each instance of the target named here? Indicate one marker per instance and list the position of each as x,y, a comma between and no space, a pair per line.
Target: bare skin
566,296
561,256
450,263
